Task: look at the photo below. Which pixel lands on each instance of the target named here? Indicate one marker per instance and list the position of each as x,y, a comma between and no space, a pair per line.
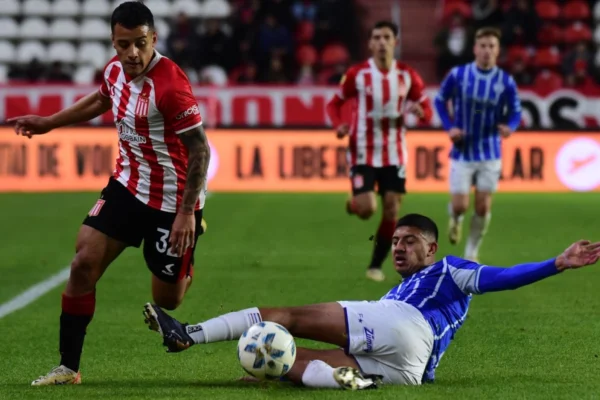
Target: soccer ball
266,350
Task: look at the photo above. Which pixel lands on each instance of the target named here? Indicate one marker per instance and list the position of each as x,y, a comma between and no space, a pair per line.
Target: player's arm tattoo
198,157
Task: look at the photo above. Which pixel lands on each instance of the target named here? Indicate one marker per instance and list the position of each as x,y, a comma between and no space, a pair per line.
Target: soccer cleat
204,226
473,258
175,336
454,231
60,375
375,274
351,379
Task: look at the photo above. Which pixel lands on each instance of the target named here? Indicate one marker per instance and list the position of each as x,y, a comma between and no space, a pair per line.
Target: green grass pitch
291,249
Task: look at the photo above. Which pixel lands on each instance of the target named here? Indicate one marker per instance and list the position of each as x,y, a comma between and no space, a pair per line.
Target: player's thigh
461,177
169,270
388,338
488,176
334,358
325,322
391,182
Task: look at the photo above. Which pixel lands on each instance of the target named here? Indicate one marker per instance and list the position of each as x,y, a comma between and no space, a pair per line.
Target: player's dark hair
385,24
425,224
132,14
488,31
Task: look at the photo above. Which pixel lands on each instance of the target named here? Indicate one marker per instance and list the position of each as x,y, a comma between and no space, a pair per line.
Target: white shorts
462,173
388,338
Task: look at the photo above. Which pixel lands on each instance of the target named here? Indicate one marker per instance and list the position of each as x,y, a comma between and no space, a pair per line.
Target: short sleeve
104,90
179,106
348,84
465,274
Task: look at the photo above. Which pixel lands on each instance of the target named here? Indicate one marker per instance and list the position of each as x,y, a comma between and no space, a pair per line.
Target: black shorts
388,179
119,215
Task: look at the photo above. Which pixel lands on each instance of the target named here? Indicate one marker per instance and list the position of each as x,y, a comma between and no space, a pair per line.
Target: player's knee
169,303
482,209
84,269
366,209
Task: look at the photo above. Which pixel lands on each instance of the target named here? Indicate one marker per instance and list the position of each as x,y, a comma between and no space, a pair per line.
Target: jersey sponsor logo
129,135
193,110
142,105
97,207
369,339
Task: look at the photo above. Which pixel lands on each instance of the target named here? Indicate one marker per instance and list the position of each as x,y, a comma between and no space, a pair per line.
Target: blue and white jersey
442,292
481,100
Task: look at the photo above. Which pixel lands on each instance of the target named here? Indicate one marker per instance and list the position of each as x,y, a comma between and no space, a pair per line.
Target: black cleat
175,336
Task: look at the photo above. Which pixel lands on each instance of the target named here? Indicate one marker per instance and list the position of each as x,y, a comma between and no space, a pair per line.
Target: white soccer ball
267,350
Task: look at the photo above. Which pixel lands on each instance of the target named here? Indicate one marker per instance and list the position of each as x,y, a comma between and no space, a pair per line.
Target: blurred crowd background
546,44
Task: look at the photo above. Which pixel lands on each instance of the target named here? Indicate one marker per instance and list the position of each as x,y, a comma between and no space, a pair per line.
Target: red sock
77,313
386,229
79,305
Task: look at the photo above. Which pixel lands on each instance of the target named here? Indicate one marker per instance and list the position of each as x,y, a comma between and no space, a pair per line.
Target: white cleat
375,274
351,379
59,376
454,231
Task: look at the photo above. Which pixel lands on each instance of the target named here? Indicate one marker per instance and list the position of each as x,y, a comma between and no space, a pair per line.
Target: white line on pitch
34,293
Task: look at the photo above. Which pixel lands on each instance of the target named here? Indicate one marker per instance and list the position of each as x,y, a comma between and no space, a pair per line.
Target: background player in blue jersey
398,339
485,107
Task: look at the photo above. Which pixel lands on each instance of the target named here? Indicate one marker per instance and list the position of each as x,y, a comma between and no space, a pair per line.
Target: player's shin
77,313
479,226
225,327
383,242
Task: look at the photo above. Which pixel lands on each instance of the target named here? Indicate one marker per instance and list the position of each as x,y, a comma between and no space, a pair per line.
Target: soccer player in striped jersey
486,108
380,89
399,339
156,194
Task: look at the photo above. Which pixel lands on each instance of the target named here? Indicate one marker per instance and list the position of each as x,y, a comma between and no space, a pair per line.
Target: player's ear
433,248
154,37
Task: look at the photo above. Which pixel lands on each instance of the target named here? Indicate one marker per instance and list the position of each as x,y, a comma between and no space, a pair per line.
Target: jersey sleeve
348,84
444,94
465,274
104,91
417,88
178,105
514,104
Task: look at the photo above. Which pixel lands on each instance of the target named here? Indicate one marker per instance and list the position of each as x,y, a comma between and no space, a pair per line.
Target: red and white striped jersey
377,133
150,112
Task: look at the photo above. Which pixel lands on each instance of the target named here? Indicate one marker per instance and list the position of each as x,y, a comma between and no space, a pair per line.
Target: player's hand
183,233
504,130
455,134
578,255
342,131
417,110
29,125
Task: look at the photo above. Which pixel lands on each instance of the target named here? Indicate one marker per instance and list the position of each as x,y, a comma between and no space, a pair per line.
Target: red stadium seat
306,54
550,34
334,54
305,32
462,8
577,32
517,53
547,81
547,10
548,57
576,10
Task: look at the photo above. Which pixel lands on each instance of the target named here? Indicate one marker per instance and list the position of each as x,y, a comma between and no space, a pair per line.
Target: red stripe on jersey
353,134
134,164
157,173
385,123
113,75
369,110
400,120
179,157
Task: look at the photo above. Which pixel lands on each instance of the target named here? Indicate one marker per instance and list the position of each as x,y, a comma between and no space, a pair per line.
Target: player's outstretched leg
95,251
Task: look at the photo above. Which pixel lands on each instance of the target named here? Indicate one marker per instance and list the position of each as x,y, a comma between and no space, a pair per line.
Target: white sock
229,326
458,218
478,229
318,374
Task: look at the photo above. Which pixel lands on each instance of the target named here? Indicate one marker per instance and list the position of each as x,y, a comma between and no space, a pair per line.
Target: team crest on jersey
358,181
498,87
97,207
142,105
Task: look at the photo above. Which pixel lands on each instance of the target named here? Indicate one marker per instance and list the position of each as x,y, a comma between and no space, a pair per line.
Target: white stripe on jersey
437,286
377,114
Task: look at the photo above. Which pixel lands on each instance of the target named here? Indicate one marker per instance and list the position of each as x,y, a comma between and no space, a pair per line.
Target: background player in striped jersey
401,337
156,194
486,108
380,89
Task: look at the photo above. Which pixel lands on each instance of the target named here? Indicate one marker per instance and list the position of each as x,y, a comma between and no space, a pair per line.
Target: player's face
486,51
135,47
412,250
382,42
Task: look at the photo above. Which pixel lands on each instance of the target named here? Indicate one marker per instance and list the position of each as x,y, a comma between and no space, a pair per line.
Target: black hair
425,224
132,14
386,24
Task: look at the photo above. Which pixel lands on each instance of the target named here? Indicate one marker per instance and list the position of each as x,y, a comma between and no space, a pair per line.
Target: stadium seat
66,8
162,28
305,32
7,52
191,8
577,32
10,7
93,53
96,8
8,28
334,54
30,49
597,11
62,51
110,52
84,75
160,8
547,9
306,54
461,8
33,28
576,10
36,8
548,57
94,29
64,28
550,34
517,53
547,81
3,73
216,9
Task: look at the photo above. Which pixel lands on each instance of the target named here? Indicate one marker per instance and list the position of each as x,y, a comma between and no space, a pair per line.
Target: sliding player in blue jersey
399,339
485,107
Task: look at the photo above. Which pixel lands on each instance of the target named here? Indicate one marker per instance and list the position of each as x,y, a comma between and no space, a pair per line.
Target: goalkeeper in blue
398,339
486,108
